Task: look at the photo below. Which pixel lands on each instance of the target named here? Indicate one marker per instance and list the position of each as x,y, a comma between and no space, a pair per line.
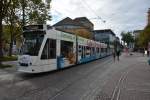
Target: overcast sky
120,15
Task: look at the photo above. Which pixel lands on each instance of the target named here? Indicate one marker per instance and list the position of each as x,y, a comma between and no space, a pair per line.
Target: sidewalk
9,69
132,83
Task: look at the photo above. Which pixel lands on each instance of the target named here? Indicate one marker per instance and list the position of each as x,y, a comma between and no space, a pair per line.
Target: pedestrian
143,52
118,54
114,55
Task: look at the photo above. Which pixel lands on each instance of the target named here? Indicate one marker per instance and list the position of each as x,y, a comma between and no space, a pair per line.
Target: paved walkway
132,83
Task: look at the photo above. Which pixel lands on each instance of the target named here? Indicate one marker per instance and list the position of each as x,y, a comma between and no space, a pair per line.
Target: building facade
136,33
80,26
105,36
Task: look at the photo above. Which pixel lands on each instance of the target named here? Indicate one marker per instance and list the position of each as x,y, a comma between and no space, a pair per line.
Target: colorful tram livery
45,49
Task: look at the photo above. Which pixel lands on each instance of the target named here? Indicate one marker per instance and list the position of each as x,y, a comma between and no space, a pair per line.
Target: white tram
45,49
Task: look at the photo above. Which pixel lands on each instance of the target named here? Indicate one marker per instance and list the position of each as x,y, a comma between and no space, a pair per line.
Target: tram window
66,47
49,51
79,48
97,50
84,51
87,50
102,50
106,50
93,50
82,54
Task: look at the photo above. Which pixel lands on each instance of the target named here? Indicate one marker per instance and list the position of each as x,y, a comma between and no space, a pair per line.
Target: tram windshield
32,43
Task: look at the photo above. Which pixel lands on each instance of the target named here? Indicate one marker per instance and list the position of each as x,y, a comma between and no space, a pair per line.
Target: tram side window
102,50
80,49
82,54
87,50
84,51
97,50
66,48
49,51
93,50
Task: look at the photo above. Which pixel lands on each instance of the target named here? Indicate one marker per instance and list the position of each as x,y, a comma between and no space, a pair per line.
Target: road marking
122,78
118,94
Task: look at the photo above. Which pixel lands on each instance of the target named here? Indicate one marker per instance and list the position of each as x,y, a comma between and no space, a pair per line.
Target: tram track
107,60
74,82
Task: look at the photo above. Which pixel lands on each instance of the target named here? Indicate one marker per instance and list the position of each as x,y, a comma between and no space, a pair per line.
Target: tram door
48,56
67,53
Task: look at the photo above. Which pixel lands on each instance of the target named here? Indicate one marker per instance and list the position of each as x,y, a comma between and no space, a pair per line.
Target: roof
104,31
137,31
67,21
79,19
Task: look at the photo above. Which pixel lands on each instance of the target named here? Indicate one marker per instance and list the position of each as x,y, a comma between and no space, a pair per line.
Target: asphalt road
97,80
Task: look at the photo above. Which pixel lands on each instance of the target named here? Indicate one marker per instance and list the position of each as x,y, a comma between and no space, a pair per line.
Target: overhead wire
93,11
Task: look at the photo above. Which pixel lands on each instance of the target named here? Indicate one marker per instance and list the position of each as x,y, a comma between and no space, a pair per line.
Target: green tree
4,5
127,37
35,12
12,23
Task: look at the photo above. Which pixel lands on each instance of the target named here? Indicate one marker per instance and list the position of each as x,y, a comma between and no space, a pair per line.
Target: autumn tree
144,37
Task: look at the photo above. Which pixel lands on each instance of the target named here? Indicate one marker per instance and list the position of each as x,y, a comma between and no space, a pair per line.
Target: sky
118,15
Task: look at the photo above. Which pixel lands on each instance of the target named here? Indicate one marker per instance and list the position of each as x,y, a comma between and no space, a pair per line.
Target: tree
35,11
12,23
127,37
21,12
144,37
4,5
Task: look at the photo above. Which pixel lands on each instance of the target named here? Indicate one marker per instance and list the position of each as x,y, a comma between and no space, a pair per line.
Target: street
103,79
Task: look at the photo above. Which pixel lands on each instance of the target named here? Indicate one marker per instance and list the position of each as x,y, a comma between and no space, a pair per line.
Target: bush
5,66
8,58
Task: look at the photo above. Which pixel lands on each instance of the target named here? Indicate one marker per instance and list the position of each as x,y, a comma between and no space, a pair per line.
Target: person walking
118,54
114,55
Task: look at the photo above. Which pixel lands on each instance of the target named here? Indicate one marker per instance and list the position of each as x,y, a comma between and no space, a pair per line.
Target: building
80,26
85,22
117,39
67,24
148,17
136,33
105,36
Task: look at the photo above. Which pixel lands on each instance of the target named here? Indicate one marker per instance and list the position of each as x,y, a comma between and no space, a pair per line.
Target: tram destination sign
32,27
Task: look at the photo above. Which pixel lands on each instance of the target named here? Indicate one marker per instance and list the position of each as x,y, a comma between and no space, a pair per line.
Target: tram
45,49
